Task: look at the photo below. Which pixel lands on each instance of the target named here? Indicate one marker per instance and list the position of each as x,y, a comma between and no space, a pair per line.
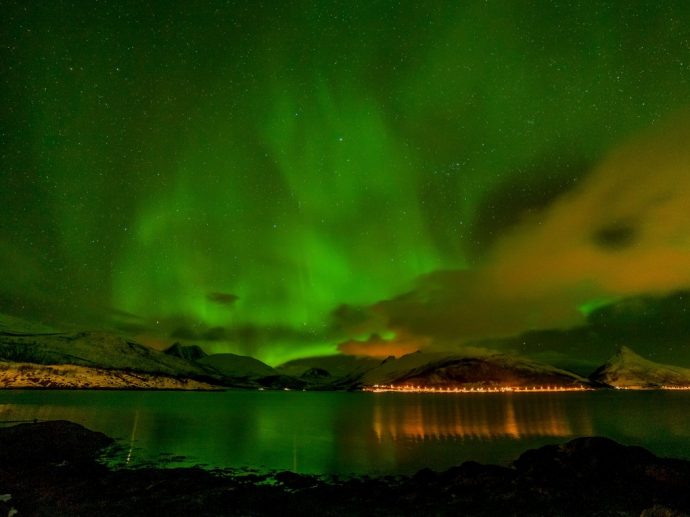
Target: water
363,433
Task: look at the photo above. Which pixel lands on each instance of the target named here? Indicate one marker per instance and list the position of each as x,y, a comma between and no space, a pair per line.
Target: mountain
336,370
431,369
240,366
188,353
335,365
250,372
93,349
32,355
477,370
35,356
626,369
70,376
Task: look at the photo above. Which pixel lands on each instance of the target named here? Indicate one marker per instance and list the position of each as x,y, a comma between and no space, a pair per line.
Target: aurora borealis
294,178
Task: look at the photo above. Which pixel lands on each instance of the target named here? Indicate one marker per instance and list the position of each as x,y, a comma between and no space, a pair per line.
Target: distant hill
337,371
478,370
246,370
626,369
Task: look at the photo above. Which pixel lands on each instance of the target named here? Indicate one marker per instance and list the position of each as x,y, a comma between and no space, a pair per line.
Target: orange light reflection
469,418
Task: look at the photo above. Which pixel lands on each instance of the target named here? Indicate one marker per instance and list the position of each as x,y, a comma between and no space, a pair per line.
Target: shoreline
364,389
53,468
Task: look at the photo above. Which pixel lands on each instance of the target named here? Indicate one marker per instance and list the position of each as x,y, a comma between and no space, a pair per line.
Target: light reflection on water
357,432
470,416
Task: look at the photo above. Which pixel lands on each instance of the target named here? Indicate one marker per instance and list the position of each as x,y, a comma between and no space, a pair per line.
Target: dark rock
295,481
603,471
592,458
57,442
425,476
472,473
587,476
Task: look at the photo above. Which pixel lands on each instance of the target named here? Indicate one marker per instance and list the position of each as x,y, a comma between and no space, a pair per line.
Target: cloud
645,320
376,346
183,332
623,231
355,321
526,192
222,298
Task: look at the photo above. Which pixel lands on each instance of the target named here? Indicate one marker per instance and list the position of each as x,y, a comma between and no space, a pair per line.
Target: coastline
52,468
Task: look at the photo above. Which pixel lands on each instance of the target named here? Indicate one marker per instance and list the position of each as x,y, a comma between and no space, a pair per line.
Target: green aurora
239,174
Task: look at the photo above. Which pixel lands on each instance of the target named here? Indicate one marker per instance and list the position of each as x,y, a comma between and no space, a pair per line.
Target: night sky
285,179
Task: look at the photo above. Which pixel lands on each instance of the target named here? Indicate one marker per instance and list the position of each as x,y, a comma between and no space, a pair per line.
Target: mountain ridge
627,369
31,354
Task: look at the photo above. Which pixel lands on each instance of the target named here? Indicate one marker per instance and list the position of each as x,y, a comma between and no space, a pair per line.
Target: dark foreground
50,468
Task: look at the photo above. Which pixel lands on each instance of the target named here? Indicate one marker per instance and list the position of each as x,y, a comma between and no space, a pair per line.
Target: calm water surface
373,433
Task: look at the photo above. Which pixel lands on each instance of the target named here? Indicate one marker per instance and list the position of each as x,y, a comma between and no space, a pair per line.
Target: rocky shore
51,469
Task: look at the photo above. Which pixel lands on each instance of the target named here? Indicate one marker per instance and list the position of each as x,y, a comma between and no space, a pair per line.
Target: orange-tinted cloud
624,231
376,346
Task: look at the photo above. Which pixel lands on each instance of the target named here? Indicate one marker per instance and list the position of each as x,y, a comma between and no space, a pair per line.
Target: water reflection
357,432
431,417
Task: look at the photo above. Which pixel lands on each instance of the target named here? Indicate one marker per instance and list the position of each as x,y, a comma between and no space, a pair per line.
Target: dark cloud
579,349
658,326
662,322
354,320
184,333
130,328
524,195
125,315
547,269
377,346
243,338
222,298
616,236
215,334
128,322
246,338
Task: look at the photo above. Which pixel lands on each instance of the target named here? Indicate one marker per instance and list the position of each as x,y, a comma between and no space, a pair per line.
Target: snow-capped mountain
626,369
476,370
